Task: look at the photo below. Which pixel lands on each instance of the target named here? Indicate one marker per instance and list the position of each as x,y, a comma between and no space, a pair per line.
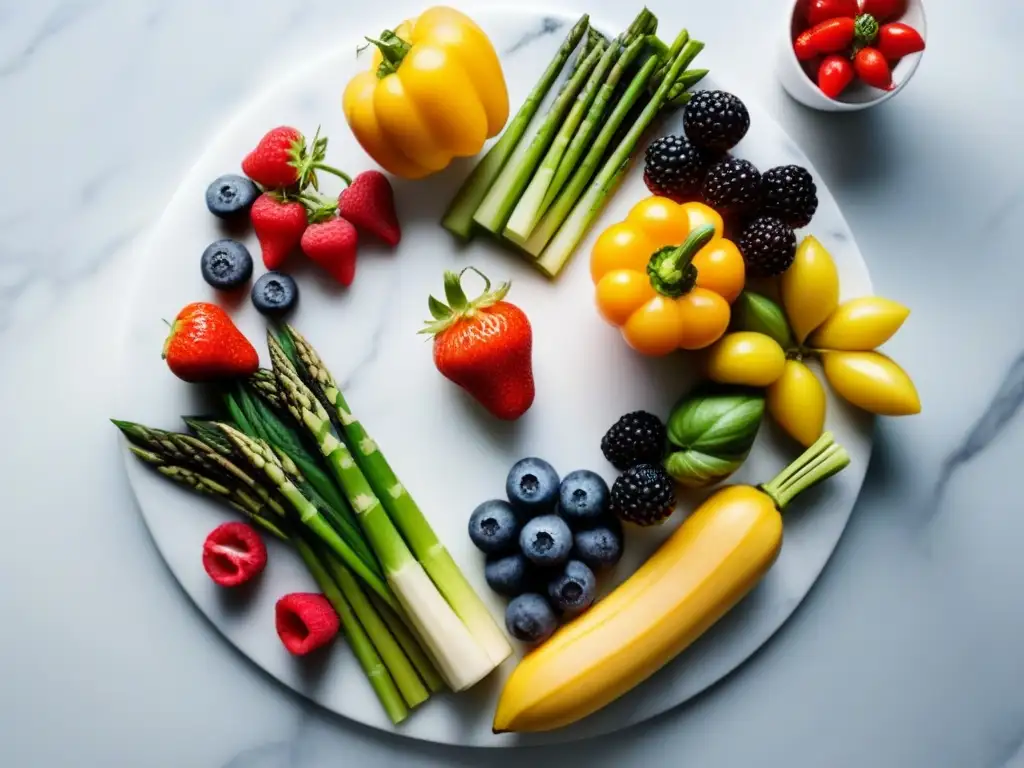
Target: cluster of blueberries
545,543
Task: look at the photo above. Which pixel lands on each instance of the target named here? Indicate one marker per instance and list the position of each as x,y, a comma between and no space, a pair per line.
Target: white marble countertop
908,651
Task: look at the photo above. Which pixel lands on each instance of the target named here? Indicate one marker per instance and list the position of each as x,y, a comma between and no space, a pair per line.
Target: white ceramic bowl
857,96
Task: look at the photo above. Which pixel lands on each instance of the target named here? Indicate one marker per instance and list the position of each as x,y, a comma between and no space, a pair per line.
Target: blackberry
644,495
675,168
768,246
732,187
715,120
636,438
789,193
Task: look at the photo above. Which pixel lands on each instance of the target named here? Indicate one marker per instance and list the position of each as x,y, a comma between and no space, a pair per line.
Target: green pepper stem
394,50
819,462
670,270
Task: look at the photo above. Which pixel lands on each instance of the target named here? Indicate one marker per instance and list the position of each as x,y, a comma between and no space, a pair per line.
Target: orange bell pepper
667,277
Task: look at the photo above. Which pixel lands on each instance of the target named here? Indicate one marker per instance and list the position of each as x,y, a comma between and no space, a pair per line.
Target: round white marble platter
446,450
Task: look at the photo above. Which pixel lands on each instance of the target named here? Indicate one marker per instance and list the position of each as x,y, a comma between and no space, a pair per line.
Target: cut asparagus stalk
261,458
568,145
529,208
358,639
460,659
497,206
577,184
403,510
424,666
593,201
458,219
683,83
413,691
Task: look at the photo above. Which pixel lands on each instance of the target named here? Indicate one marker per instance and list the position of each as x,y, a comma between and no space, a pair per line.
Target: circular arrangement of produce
519,379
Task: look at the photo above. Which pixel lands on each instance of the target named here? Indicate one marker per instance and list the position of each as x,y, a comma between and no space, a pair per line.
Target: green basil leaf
694,469
717,422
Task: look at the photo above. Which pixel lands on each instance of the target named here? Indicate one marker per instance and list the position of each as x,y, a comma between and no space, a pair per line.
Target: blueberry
530,618
532,486
508,575
574,590
226,264
230,196
583,499
494,527
275,294
546,541
599,547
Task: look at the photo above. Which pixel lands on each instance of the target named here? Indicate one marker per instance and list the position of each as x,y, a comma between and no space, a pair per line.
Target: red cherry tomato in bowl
823,10
884,10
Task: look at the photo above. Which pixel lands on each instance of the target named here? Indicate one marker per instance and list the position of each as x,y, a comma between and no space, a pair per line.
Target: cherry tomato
873,69
823,10
883,10
830,36
834,75
898,40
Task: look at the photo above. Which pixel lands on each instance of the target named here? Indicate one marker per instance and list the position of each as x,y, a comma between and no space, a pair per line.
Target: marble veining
107,102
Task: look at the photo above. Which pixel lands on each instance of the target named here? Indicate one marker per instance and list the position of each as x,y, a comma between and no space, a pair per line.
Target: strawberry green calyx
459,307
308,163
393,49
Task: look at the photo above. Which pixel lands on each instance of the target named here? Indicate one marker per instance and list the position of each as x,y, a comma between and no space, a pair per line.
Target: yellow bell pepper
666,277
435,91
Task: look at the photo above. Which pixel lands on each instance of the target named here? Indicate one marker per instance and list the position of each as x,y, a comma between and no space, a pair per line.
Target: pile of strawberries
290,213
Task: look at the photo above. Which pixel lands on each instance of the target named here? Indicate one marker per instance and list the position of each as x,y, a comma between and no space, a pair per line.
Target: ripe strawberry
279,225
333,244
485,346
279,159
305,622
233,554
369,203
204,345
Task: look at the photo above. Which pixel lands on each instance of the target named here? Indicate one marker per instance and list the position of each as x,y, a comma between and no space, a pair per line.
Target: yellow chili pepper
435,91
666,277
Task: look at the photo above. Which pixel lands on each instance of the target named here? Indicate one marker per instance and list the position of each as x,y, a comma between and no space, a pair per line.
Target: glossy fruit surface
494,527
796,401
872,381
746,358
532,486
809,288
860,325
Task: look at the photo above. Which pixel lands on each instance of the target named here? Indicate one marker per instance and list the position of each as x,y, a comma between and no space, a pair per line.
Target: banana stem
819,462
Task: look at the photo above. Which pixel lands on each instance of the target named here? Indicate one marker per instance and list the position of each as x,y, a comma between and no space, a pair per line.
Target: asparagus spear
497,206
264,384
413,650
233,494
532,203
563,204
358,638
593,201
402,509
314,483
458,219
402,670
460,659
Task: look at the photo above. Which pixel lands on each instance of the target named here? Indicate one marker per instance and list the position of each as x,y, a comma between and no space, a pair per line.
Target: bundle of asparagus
291,457
544,182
